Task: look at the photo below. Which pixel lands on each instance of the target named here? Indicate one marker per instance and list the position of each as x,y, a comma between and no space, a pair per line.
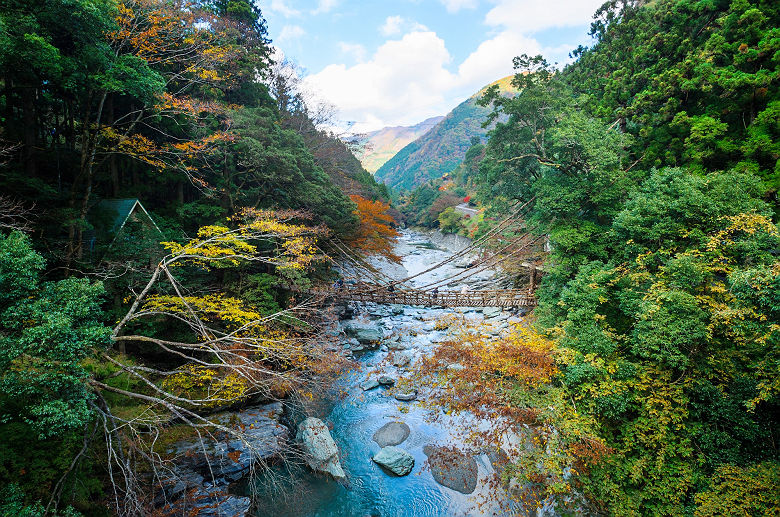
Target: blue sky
397,62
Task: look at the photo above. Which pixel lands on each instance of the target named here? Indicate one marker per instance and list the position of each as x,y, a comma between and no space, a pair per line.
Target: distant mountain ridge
441,149
384,143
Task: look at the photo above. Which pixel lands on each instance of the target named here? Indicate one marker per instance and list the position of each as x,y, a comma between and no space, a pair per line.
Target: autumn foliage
511,381
376,232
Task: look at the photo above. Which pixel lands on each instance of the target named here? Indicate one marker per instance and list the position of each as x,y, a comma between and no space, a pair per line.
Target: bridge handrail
453,298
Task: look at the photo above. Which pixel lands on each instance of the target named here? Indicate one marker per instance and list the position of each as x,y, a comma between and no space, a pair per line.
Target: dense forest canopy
650,164
167,192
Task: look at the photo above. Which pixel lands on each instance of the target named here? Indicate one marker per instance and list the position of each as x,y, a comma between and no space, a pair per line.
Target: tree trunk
28,114
112,164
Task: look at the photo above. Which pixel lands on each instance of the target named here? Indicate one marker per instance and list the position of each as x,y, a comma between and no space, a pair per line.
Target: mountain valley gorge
559,298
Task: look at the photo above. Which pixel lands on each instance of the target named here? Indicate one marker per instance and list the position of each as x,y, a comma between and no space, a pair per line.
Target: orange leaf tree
376,233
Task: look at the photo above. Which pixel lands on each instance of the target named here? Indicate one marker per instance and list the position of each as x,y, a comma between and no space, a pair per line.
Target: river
355,415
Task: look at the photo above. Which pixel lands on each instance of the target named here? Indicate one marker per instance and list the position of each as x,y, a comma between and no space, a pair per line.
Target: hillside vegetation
383,144
650,379
443,147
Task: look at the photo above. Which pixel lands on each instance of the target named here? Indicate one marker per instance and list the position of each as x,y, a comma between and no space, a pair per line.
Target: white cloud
530,16
397,24
281,7
290,33
493,59
412,77
402,83
453,6
355,50
392,25
325,6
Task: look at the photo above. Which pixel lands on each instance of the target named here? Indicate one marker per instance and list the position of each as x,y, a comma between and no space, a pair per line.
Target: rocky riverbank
204,470
374,449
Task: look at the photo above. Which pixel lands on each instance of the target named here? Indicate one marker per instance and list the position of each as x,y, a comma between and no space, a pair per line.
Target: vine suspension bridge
382,289
476,298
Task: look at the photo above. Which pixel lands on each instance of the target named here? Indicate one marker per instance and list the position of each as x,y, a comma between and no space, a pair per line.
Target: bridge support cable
360,264
486,263
489,263
362,268
480,298
478,242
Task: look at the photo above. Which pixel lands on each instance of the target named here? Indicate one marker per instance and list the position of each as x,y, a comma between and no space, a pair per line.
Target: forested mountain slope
383,144
651,165
163,194
442,148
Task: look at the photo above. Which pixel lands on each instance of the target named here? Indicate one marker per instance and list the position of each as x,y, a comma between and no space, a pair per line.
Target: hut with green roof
115,221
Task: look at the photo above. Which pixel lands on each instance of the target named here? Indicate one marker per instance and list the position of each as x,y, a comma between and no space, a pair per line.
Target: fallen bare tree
232,354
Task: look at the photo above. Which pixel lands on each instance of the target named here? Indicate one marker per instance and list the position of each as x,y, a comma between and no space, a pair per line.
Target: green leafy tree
47,331
668,339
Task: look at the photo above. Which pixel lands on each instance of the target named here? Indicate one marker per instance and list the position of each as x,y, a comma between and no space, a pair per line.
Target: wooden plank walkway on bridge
476,298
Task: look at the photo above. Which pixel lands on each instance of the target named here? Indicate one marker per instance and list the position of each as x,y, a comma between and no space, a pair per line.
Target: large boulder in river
368,333
406,396
369,384
491,312
396,460
321,451
452,468
392,433
386,380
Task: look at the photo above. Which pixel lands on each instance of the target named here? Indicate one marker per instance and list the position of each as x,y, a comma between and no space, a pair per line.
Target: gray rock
491,312
380,313
209,501
397,345
173,489
225,456
406,396
396,460
397,310
369,384
344,311
452,468
321,451
392,433
386,380
367,333
401,359
227,506
455,367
